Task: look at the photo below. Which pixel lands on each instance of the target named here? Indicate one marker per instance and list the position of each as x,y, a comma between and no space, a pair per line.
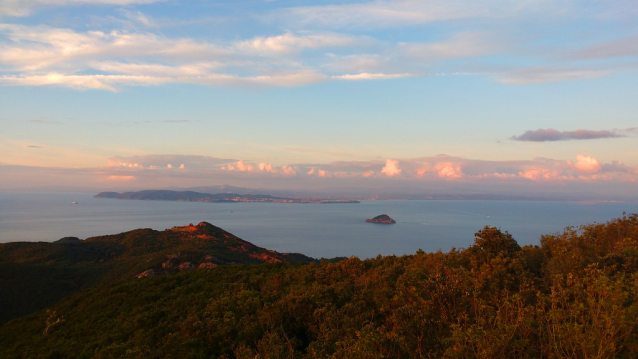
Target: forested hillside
34,276
574,296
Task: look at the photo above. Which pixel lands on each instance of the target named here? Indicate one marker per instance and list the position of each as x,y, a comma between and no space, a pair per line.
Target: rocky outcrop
51,322
206,265
146,273
186,266
383,219
171,261
265,257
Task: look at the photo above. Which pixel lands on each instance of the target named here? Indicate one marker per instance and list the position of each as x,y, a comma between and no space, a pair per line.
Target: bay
317,230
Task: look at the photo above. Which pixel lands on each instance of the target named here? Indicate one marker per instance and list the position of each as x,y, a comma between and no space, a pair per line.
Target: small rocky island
384,218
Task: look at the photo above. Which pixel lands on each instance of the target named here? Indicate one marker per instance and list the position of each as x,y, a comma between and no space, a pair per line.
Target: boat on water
74,203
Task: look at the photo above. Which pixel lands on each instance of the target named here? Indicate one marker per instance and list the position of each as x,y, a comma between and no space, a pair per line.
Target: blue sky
357,92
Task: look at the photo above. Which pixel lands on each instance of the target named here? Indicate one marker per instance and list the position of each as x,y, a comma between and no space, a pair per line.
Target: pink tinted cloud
323,174
318,172
587,164
445,168
448,170
155,161
240,166
120,178
267,167
617,166
391,168
541,174
435,168
288,171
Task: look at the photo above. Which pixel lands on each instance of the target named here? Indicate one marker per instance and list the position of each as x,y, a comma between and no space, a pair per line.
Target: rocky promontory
384,219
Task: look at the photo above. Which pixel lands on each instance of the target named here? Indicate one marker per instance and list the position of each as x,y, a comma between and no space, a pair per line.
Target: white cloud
109,82
193,69
108,60
45,48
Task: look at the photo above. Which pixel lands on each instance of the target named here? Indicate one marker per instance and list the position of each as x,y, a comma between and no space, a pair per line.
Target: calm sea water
317,230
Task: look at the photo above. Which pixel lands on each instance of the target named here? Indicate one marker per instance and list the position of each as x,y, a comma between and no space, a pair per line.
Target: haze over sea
317,230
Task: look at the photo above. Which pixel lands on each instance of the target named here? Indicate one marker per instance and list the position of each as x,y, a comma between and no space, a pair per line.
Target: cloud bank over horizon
346,94
525,177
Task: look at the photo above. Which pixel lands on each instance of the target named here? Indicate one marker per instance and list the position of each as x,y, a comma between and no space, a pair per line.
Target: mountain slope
576,293
34,276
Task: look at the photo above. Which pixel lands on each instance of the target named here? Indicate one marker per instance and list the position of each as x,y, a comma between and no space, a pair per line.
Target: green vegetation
574,296
34,276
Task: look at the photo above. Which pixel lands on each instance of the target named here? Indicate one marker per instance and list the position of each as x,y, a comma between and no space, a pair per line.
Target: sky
519,96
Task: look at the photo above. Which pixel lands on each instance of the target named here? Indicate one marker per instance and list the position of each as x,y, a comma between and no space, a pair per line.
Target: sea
316,230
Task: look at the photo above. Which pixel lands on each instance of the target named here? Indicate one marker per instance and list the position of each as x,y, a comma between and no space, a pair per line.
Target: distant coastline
192,196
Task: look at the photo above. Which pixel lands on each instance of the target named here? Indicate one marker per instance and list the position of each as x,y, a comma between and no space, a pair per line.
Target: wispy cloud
550,134
309,45
37,56
367,76
389,13
290,43
463,45
542,74
26,7
168,161
623,47
45,122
